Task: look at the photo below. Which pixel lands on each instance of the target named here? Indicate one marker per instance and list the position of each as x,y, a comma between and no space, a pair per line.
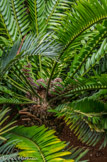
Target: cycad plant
53,57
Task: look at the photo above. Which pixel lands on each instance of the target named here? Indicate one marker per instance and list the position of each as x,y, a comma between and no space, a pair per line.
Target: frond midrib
36,18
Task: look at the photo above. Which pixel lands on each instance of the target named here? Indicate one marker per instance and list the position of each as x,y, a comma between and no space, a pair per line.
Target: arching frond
94,83
10,97
37,142
14,100
8,56
84,15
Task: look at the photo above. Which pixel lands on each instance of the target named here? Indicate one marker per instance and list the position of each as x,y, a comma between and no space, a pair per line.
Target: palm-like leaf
53,14
84,14
8,23
85,53
95,58
31,46
37,14
13,98
80,85
19,11
36,142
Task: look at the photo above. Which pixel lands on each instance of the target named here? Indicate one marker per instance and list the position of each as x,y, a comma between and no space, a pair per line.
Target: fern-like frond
4,42
8,56
53,14
12,97
19,11
95,58
80,59
77,154
83,84
16,101
37,142
84,14
32,45
9,24
38,15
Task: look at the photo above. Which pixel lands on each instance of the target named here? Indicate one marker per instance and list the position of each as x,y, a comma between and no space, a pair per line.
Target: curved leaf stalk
85,88
36,18
37,32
